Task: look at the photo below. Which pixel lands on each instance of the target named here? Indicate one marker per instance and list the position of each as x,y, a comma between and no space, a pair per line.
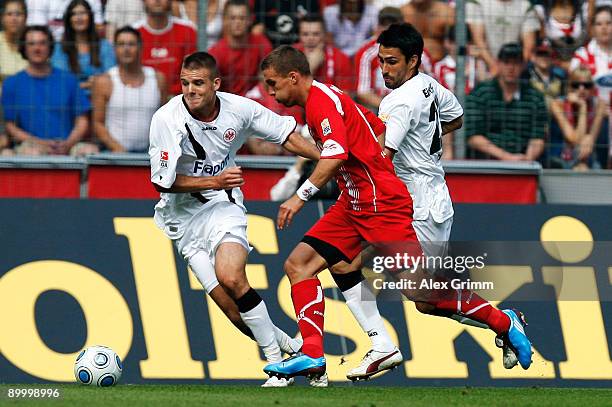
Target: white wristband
307,190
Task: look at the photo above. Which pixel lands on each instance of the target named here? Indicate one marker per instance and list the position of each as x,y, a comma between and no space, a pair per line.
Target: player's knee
234,284
294,269
424,307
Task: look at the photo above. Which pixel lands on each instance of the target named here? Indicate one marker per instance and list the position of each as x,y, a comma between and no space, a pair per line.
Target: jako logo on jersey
163,159
209,128
331,148
159,52
198,166
229,135
325,126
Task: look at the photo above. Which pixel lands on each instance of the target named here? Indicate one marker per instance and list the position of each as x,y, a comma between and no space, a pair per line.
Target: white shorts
221,222
433,236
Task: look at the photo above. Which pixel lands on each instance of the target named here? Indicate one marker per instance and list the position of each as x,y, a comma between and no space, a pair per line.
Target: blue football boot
297,365
518,339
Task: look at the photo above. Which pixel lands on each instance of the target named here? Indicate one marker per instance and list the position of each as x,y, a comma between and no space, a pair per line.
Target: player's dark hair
405,37
22,3
126,29
199,60
237,3
285,59
312,18
31,28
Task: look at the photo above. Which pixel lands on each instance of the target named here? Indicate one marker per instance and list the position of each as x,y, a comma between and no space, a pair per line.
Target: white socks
258,320
286,343
362,303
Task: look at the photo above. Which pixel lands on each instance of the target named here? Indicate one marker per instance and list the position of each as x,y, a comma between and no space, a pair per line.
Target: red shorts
347,230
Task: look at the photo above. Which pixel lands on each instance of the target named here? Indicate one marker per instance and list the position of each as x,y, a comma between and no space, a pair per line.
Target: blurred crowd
83,76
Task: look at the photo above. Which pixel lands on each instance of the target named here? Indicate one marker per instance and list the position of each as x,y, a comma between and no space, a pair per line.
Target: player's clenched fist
230,178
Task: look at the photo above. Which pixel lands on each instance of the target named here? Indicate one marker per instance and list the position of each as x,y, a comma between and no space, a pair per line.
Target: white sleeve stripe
331,95
364,83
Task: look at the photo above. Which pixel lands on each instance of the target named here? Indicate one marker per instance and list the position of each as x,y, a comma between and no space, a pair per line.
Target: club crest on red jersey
229,135
326,127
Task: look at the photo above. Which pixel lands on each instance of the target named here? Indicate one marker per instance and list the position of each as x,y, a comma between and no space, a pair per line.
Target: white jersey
413,114
181,144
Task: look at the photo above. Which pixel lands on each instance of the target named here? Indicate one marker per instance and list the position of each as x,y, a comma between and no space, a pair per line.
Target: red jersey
336,68
239,67
345,130
165,49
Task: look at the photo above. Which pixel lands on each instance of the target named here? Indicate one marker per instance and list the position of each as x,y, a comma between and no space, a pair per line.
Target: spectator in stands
239,52
444,70
432,19
125,98
350,23
597,54
119,13
578,124
497,22
45,109
564,28
506,119
188,9
82,51
278,19
5,141
13,23
166,40
327,63
370,84
51,13
543,75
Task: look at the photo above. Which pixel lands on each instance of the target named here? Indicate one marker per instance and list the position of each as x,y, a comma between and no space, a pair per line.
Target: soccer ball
98,366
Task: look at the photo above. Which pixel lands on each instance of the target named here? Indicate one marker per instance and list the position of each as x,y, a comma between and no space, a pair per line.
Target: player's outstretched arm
297,144
228,179
323,172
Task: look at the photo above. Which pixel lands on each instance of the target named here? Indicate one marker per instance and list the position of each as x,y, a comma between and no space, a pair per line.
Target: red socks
309,304
471,305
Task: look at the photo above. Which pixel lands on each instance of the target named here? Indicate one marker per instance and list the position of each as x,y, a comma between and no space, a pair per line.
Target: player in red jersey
374,207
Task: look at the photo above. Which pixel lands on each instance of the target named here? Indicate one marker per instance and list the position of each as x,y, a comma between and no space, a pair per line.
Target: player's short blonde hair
285,59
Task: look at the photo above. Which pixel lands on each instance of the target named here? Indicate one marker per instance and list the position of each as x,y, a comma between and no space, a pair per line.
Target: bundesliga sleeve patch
163,160
331,148
326,127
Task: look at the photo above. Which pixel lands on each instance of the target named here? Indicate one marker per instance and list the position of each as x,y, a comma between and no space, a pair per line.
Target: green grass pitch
336,396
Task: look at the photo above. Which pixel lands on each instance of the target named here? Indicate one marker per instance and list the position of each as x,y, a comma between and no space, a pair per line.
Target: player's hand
287,211
230,178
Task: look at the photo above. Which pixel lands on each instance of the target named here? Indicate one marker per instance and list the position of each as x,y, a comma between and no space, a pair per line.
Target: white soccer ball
98,366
